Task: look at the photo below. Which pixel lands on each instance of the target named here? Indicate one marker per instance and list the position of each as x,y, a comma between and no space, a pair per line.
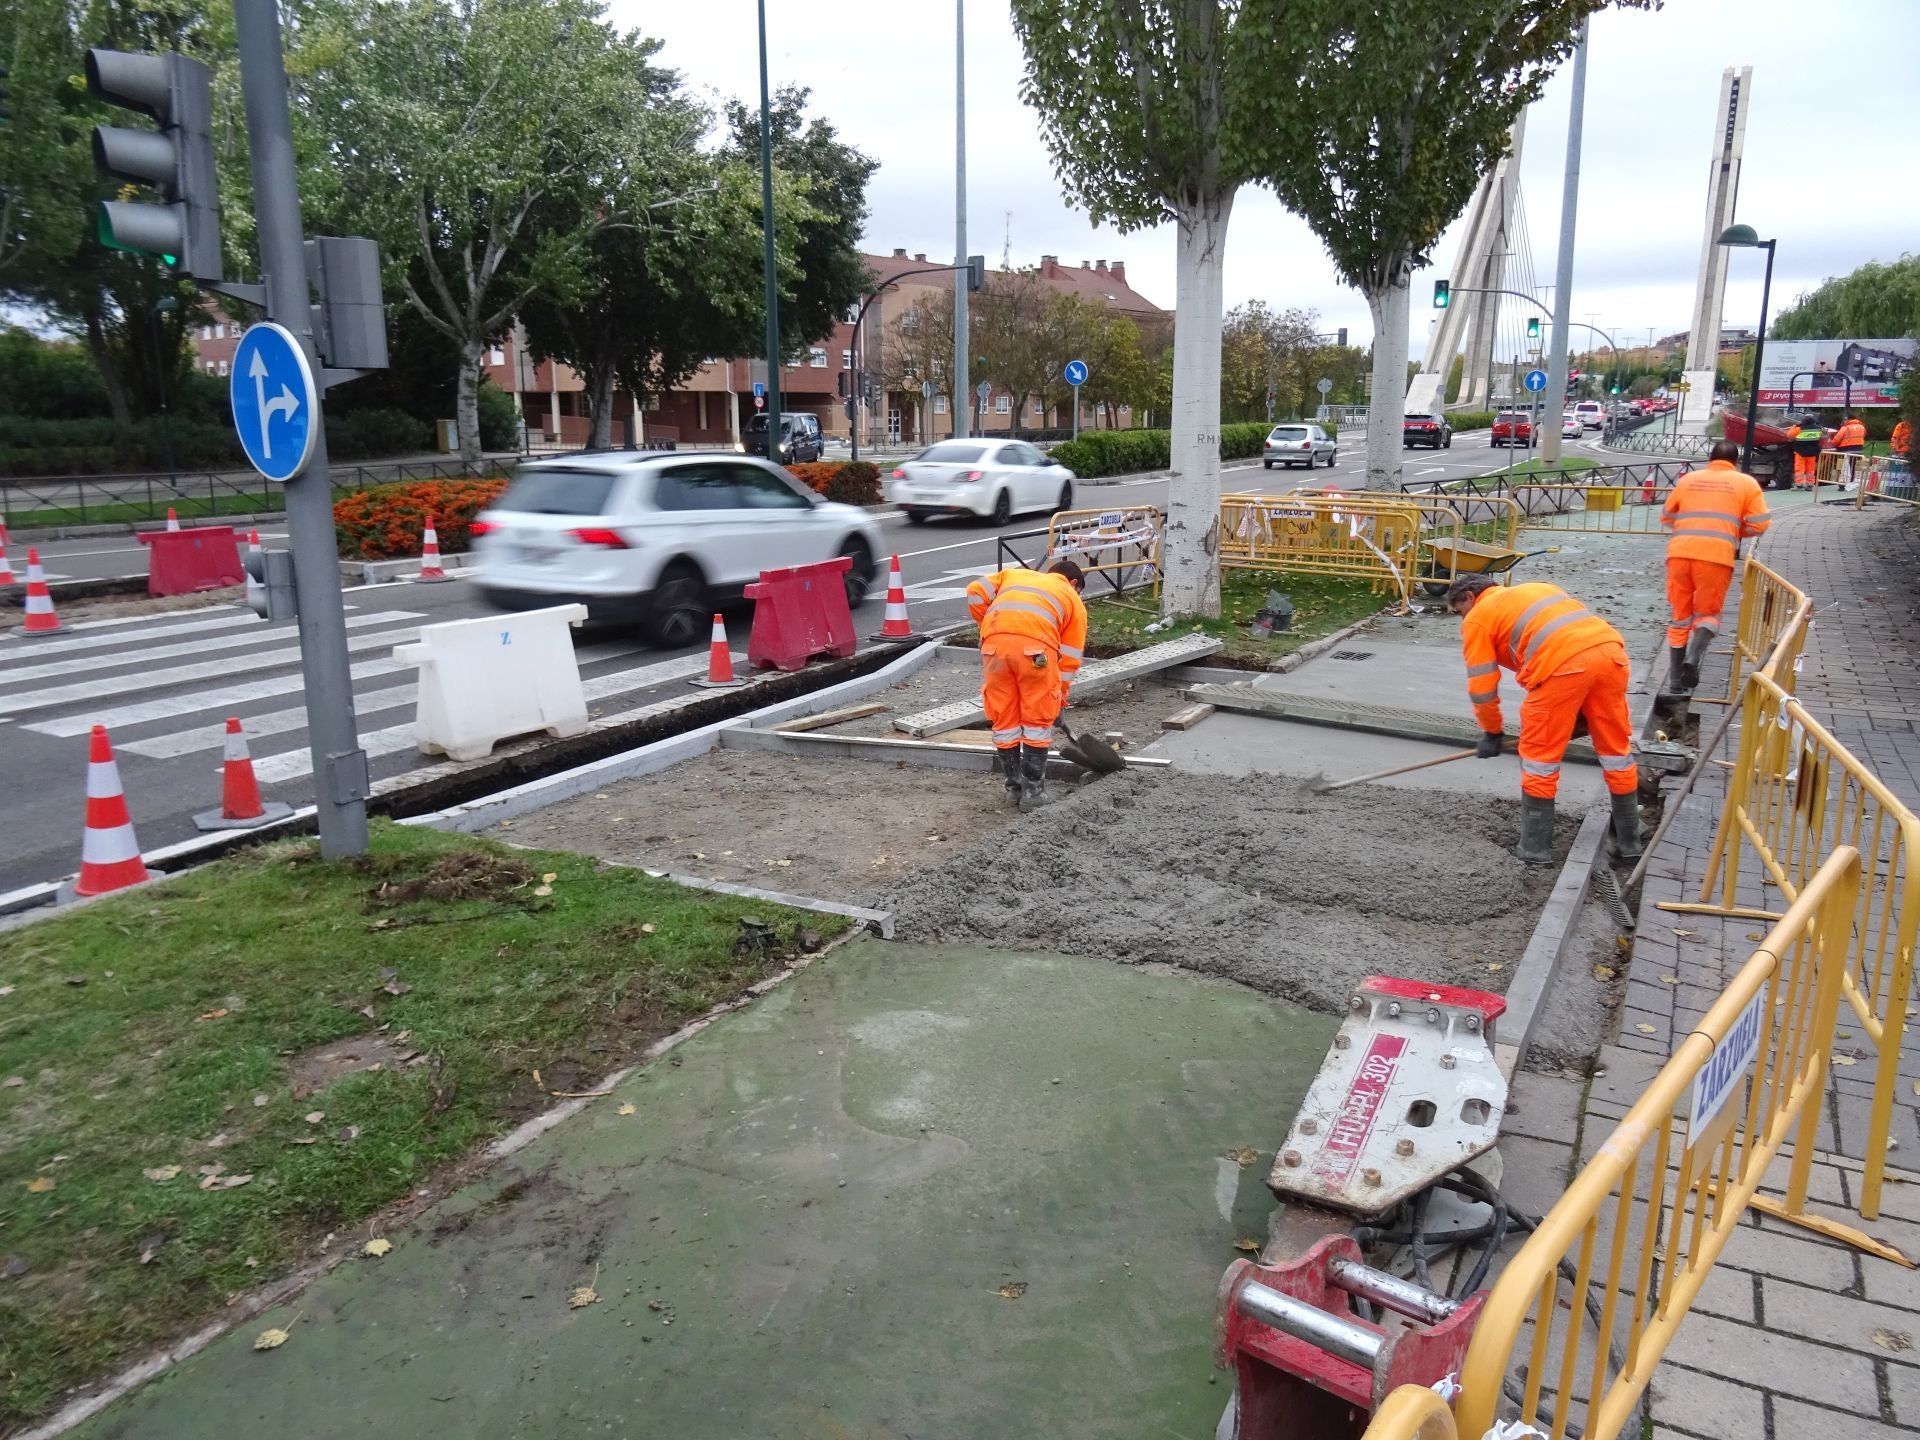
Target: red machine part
1306,1366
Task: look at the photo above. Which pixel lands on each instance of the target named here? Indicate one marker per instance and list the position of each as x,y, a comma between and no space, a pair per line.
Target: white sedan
993,479
1570,426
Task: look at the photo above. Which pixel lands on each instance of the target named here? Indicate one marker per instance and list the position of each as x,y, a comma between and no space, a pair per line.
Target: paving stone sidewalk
1794,1336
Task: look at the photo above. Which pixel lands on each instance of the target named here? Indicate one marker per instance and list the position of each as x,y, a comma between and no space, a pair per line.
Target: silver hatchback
1299,445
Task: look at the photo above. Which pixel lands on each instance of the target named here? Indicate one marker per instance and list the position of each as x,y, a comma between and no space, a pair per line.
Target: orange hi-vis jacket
1532,630
1852,435
1032,605
1711,511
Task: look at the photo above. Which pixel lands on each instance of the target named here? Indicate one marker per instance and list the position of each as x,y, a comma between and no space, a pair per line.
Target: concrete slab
911,1192
1406,676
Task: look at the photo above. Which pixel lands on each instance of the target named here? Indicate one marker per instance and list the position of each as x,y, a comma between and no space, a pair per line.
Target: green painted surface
823,1194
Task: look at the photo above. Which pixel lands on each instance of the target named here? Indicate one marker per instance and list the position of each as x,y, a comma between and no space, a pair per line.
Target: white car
1571,427
1592,414
659,540
990,478
1292,445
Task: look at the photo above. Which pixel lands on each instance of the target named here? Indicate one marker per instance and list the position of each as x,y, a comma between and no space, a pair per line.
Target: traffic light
976,272
270,585
176,160
1342,337
1442,292
1533,327
1614,391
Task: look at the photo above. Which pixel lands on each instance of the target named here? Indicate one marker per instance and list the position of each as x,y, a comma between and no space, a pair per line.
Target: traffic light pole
339,764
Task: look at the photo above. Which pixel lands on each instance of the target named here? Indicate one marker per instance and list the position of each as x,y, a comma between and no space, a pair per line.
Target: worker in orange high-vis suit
1902,441
1573,666
1851,440
1707,515
1808,437
1033,637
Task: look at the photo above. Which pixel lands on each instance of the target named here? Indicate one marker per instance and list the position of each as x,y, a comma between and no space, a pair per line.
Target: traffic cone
430,555
240,805
6,570
40,617
719,661
109,854
896,626
173,520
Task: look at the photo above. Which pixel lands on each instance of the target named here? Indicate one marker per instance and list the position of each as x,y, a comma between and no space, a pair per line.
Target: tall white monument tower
1723,190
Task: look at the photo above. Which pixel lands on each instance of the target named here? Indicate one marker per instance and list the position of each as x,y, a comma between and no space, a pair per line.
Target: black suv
1426,429
800,438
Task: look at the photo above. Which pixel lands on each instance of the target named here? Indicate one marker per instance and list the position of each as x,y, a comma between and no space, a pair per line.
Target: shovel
1090,752
1397,770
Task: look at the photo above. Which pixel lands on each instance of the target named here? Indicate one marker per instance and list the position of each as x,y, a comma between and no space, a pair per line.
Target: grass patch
1322,604
1535,465
408,997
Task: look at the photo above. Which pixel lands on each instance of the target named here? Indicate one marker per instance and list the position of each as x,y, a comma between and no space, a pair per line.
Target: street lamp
1745,237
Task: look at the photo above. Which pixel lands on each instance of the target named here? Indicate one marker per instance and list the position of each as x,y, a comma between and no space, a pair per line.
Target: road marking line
1437,470
144,711
213,733
40,649
145,655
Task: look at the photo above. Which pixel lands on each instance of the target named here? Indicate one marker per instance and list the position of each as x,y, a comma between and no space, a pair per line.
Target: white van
1593,415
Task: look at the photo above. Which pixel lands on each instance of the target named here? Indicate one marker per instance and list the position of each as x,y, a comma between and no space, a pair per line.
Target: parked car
1292,445
1430,429
1592,414
800,438
1571,426
1512,427
659,540
994,479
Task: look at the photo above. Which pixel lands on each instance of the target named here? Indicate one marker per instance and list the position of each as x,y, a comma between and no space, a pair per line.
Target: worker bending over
1572,665
1033,635
1707,516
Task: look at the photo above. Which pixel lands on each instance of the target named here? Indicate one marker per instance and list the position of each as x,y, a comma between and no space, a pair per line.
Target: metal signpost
1076,376
1536,383
983,392
1325,387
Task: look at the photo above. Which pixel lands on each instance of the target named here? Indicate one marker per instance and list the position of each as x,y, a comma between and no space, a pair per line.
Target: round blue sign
1076,372
1536,380
276,407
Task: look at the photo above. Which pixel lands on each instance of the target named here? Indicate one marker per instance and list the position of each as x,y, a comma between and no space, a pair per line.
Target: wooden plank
829,717
1186,717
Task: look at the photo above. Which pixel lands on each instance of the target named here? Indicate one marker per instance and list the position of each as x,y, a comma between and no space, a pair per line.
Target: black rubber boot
1677,682
1627,842
1033,788
1697,644
1012,770
1536,830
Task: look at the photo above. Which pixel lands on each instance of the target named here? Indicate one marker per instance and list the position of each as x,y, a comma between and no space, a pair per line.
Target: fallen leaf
543,889
6,989
210,1015
1751,934
270,1339
649,928
1644,1029
259,1102
1844,1060
1669,979
549,877
150,1247
1242,1157
582,1297
1252,1247
347,1133
1495,967
210,1169
1012,1290
1683,934
626,1109
1894,1340
13,1082
1604,972
376,1247
304,1140
1843,1034
225,1182
783,863
161,1172
314,1117
39,1185
878,861
395,987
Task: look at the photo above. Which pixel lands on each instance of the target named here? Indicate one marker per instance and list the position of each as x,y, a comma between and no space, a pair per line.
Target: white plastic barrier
483,681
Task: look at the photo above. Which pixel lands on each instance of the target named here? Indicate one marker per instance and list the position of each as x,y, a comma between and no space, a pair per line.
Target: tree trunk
1190,550
1389,307
466,404
118,404
600,408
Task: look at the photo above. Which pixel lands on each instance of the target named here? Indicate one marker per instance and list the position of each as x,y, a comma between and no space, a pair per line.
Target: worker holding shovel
1573,665
1033,635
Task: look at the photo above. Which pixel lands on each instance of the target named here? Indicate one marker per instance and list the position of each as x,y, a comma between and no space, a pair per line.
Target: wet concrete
936,1192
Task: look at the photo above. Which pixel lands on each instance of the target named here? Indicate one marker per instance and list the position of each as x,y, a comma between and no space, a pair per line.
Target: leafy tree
1875,301
1375,122
1135,105
1121,373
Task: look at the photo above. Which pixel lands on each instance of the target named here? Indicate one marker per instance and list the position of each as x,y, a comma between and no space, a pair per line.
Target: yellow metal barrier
1637,1232
1883,477
1794,794
1121,540
1771,606
1412,1413
1837,467
1370,537
1597,509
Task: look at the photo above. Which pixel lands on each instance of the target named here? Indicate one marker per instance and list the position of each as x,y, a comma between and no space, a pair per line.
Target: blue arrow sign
276,408
1076,372
1536,380
759,389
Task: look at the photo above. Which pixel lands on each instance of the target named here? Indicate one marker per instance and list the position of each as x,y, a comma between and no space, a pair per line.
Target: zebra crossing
164,686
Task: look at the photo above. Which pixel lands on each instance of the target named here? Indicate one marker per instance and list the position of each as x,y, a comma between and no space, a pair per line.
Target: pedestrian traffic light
270,585
176,160
1442,292
1533,327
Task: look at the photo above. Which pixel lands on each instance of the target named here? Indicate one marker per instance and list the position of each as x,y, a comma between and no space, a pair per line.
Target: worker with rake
1573,666
1033,636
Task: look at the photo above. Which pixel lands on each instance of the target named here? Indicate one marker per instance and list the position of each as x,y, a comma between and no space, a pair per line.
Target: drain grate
1351,655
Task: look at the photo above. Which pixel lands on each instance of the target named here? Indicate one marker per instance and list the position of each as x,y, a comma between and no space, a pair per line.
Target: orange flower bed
388,521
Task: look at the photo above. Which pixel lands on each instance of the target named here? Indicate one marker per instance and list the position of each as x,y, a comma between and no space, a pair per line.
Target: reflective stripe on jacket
1806,440
1851,436
1033,606
1711,511
1532,630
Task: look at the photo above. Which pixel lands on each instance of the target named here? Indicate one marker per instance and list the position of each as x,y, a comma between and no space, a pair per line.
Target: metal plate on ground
1349,715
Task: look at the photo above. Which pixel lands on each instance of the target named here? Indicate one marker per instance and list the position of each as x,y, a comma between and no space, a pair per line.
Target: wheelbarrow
1450,558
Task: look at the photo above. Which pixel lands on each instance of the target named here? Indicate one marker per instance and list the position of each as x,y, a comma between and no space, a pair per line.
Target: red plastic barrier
800,613
179,562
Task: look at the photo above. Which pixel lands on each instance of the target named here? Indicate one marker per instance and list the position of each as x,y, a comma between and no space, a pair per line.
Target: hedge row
1099,453
387,522
1469,419
851,482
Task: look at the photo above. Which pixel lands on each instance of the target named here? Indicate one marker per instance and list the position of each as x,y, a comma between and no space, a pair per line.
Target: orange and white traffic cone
6,570
720,674
430,555
109,854
173,520
896,626
41,619
240,805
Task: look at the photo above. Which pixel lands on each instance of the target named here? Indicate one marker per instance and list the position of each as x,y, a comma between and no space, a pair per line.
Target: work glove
1489,746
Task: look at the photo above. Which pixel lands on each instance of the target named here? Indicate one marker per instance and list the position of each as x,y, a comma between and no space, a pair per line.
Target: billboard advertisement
1818,372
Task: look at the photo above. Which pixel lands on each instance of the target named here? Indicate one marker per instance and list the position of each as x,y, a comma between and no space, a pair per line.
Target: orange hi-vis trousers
1022,690
1806,471
1696,594
1594,684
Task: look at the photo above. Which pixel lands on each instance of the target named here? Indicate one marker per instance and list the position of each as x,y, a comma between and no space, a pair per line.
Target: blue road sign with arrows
1076,372
1536,380
276,407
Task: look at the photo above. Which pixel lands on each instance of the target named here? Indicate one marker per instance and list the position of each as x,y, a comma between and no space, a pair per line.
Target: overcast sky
1816,171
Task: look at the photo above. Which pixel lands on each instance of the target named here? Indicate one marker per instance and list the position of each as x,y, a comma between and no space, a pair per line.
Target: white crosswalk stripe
221,701
95,663
16,649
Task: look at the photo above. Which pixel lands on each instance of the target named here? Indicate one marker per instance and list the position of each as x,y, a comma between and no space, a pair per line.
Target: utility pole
962,374
1563,273
769,262
339,764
